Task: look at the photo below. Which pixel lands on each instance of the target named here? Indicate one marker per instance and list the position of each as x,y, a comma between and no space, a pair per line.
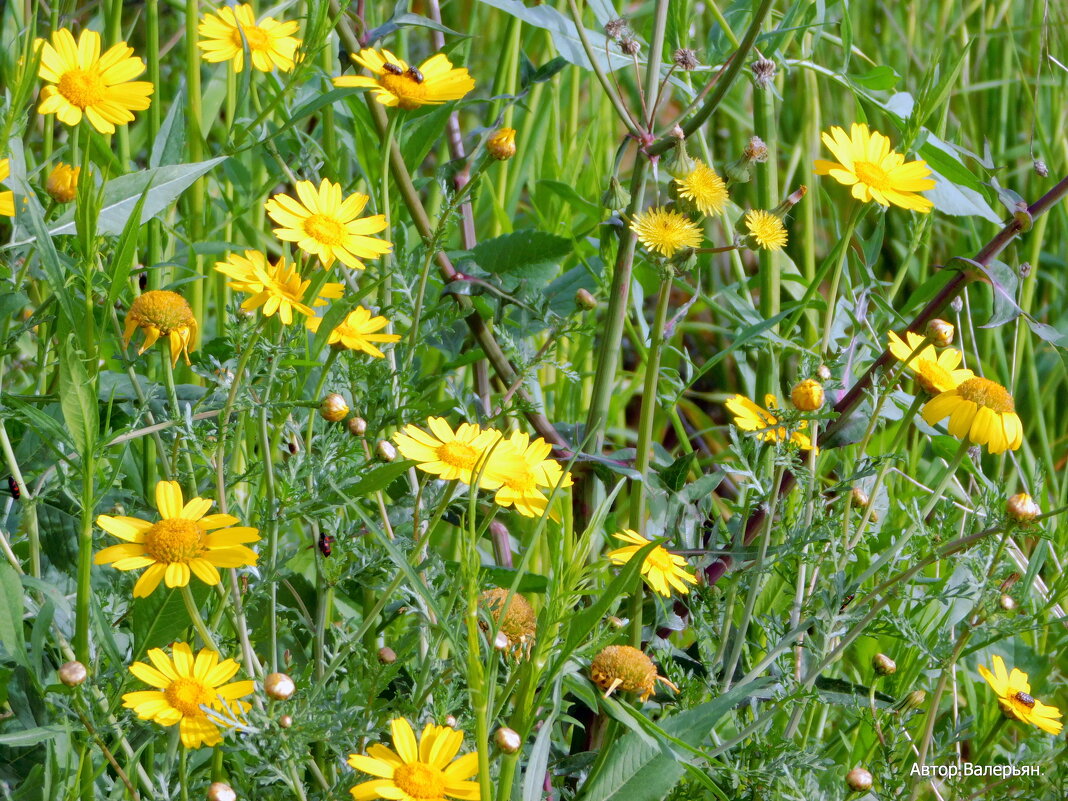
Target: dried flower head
518,621
1041,170
615,28
630,46
685,59
161,313
763,72
626,668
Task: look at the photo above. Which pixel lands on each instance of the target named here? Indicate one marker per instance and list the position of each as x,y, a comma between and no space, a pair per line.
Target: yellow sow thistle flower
7,199
396,83
1015,699
874,171
62,183
766,229
85,83
426,770
161,313
357,331
452,456
179,544
270,43
666,231
626,668
981,411
935,372
750,417
502,144
277,288
325,225
662,570
524,474
703,187
184,687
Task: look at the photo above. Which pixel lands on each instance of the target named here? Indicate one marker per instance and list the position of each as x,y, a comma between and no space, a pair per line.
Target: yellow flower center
174,540
257,38
324,229
933,377
410,93
162,309
660,559
458,454
872,174
987,393
634,670
521,480
420,781
83,88
186,695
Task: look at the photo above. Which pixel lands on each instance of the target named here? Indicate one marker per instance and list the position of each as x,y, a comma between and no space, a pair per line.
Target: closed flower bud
911,701
279,686
957,304
763,72
508,740
1024,269
333,408
615,197
73,673
584,299
1008,603
502,144
357,426
685,59
385,451
1022,508
884,665
616,622
859,780
450,721
940,332
386,655
630,46
678,163
285,721
807,395
62,183
824,372
1041,170
221,791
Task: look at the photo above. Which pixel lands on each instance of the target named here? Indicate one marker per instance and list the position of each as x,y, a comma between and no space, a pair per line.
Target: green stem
843,258
198,621
767,186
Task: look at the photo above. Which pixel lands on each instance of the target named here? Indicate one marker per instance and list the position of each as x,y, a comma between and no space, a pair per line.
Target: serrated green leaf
529,254
160,618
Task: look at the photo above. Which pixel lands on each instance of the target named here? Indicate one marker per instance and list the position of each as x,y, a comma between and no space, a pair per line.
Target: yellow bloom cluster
518,470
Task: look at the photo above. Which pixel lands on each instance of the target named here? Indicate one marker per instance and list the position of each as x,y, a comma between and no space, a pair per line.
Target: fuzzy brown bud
385,451
386,655
508,740
333,408
73,673
279,686
807,395
763,72
357,426
940,332
859,780
1025,269
1022,508
860,498
221,791
884,665
615,28
685,59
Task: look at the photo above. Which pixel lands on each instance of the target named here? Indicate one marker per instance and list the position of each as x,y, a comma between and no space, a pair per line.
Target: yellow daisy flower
186,688
417,771
357,332
874,171
1015,699
178,544
270,43
396,83
84,82
523,470
452,456
766,229
159,312
626,668
750,417
981,411
62,183
703,187
278,288
666,231
324,225
662,570
7,199
936,372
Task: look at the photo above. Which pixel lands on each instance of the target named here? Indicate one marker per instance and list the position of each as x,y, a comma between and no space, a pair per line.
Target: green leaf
126,251
167,149
840,691
160,618
674,475
28,737
11,636
77,399
378,478
879,78
529,254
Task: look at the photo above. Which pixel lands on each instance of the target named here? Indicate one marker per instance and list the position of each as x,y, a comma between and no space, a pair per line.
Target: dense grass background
777,694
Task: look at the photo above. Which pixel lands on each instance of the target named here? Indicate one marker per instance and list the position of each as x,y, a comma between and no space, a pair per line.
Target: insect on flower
392,68
415,74
1025,699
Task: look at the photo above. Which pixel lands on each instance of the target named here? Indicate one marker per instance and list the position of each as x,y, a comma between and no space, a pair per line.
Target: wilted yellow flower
750,417
62,183
161,313
184,687
84,82
324,224
766,229
7,199
396,83
703,187
357,331
1015,699
666,231
518,622
502,144
628,669
270,43
662,570
936,372
418,771
981,411
874,171
179,544
277,288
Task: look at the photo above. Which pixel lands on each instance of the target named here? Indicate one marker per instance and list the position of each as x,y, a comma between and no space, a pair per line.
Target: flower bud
279,686
450,721
501,642
616,622
73,673
884,665
859,780
763,72
62,183
630,46
957,304
508,740
285,721
685,59
940,332
1041,170
584,299
1008,603
1024,269
221,791
824,372
386,655
357,426
385,451
807,395
1022,508
502,144
615,197
678,162
333,408
911,701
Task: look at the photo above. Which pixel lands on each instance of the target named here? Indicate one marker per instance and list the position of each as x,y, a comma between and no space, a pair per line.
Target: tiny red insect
326,543
13,487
